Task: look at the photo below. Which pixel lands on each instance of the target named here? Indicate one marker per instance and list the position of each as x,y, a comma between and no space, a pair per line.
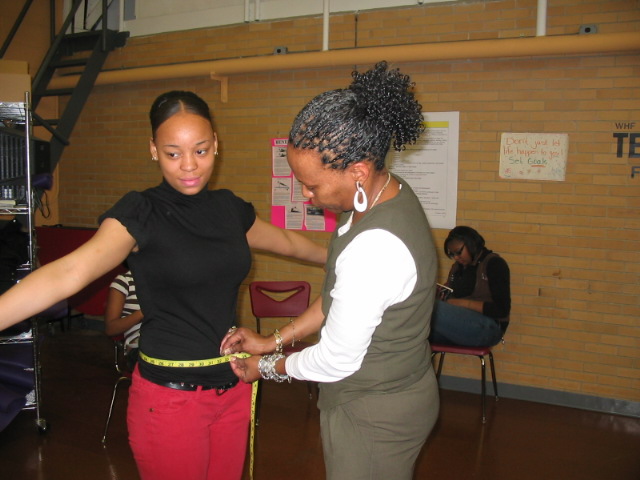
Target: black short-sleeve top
192,256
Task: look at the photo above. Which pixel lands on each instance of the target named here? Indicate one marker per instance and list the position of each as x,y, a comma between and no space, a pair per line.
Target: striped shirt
124,284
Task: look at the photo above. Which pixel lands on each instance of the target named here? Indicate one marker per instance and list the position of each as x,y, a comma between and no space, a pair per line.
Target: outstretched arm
68,275
264,236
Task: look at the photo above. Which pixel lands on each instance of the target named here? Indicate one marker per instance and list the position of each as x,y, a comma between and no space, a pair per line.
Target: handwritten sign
534,156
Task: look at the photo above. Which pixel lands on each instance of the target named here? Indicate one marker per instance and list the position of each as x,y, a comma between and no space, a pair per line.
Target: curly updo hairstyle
170,103
358,123
467,235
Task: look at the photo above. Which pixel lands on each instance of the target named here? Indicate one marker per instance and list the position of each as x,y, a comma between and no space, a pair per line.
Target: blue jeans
454,325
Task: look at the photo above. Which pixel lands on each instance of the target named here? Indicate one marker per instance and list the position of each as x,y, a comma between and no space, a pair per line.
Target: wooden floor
520,440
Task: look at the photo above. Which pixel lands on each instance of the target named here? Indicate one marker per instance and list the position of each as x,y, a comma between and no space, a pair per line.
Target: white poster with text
430,167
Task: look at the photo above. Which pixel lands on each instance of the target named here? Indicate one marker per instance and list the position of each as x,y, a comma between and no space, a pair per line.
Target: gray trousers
379,436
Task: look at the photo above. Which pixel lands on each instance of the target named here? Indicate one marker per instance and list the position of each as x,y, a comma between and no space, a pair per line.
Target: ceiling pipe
121,16
541,18
325,26
426,52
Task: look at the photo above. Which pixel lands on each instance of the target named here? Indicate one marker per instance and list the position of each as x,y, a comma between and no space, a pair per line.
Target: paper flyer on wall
289,207
430,167
279,165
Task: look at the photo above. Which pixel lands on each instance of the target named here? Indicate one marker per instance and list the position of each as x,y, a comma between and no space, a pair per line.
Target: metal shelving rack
20,159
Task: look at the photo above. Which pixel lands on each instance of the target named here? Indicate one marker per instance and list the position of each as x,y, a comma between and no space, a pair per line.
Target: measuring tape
208,363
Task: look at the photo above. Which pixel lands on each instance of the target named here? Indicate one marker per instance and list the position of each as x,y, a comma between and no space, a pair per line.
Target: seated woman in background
123,315
476,312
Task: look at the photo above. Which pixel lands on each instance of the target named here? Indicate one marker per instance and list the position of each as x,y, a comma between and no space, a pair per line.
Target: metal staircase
64,59
82,54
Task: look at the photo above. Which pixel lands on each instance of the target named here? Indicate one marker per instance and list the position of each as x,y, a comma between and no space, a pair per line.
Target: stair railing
55,44
16,26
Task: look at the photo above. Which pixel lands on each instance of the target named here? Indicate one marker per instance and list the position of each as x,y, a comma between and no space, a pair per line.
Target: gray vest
399,353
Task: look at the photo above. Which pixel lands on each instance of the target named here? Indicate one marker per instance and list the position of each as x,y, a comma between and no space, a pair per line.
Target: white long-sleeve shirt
373,272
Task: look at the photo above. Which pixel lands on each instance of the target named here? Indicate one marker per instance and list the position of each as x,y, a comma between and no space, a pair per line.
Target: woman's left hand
245,340
246,369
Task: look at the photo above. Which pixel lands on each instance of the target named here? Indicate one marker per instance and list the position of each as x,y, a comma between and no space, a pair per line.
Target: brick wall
572,246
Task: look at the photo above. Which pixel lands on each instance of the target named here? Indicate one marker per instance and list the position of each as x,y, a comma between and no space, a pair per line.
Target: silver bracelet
267,368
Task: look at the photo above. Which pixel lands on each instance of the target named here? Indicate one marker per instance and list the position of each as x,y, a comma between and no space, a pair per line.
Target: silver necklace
381,190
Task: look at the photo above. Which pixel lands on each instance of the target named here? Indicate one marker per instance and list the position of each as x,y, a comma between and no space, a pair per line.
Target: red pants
178,435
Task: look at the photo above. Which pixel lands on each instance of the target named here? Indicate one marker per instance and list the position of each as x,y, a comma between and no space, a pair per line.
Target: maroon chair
276,299
481,353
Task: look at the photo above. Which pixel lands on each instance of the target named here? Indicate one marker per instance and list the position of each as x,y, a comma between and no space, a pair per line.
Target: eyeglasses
456,254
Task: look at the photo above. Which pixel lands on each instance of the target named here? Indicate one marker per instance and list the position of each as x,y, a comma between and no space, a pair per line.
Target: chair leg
484,388
440,363
113,401
493,376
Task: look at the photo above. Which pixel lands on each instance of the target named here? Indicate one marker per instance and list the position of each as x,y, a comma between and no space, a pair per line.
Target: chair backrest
278,298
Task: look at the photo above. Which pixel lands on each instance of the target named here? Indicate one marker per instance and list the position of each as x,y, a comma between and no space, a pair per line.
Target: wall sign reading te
534,156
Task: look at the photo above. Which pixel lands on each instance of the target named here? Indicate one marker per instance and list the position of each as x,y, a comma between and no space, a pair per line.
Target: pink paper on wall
289,208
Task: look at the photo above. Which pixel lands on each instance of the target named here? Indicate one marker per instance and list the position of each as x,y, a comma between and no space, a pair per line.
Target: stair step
56,92
85,41
79,41
50,121
72,62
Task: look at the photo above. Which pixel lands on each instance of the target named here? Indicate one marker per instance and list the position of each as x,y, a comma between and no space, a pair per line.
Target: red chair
267,302
124,374
479,352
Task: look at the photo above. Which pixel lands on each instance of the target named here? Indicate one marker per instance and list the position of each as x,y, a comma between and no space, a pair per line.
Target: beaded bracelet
267,368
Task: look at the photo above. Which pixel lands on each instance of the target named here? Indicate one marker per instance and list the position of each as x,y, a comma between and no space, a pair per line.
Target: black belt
192,387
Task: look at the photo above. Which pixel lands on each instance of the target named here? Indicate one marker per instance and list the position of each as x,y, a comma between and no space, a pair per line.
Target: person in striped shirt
123,315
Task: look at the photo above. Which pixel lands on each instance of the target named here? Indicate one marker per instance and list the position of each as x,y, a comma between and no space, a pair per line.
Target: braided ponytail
358,123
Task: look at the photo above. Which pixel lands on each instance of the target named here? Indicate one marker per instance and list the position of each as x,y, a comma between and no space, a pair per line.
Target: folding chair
267,302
